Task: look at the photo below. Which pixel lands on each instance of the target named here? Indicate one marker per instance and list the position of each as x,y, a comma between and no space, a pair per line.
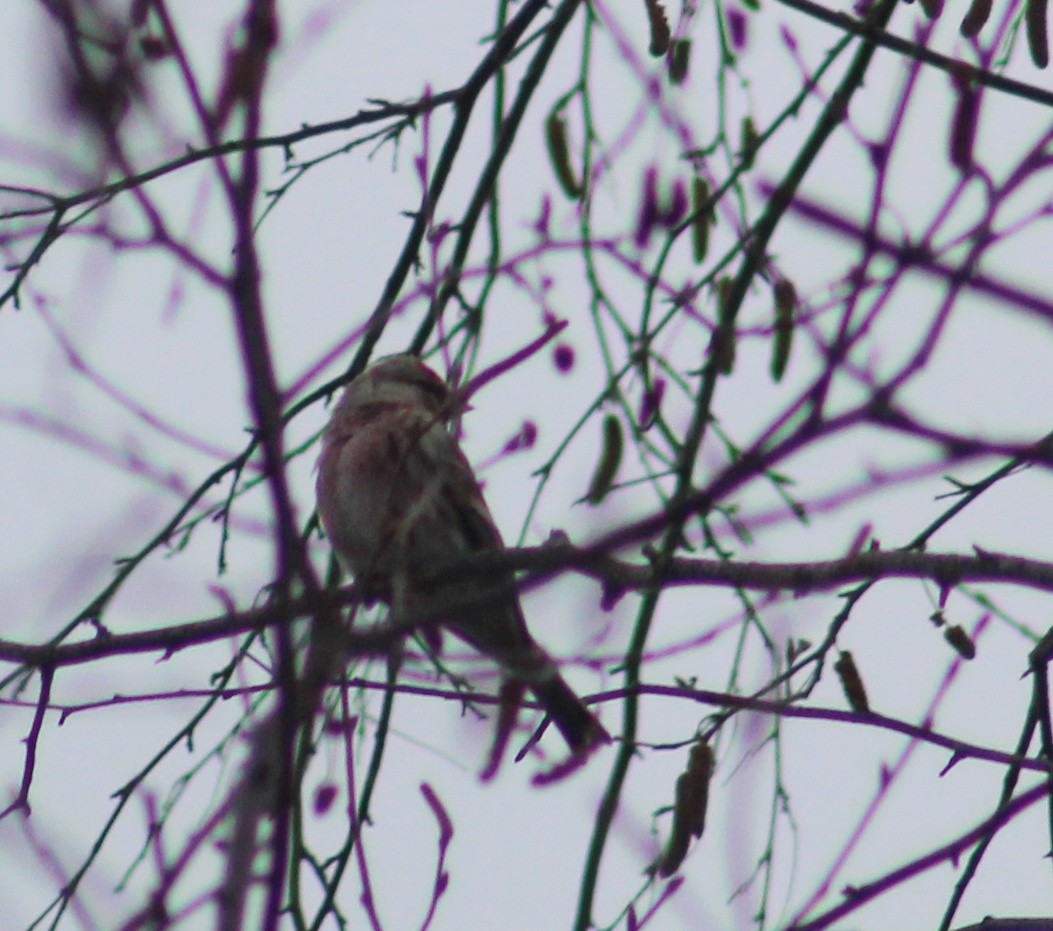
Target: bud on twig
852,683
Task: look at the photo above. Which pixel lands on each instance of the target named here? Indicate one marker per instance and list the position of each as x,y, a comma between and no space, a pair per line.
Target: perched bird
398,500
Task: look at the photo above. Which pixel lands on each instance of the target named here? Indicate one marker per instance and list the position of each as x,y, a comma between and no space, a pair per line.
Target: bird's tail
579,726
504,636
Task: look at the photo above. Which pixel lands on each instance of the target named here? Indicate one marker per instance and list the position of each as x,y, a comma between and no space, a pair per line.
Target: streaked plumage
398,499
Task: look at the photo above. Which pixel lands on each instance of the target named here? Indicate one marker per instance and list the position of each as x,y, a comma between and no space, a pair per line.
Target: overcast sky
99,455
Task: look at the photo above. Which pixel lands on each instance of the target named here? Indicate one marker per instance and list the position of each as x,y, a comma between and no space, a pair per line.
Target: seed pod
610,460
785,318
724,349
1037,40
963,124
140,9
852,683
153,47
957,637
692,788
660,34
723,344
559,155
689,810
978,14
749,142
679,60
701,217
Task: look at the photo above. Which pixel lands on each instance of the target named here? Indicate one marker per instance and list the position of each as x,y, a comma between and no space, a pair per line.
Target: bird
398,500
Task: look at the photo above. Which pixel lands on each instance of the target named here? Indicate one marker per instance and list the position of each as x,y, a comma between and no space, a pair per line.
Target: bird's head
400,379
